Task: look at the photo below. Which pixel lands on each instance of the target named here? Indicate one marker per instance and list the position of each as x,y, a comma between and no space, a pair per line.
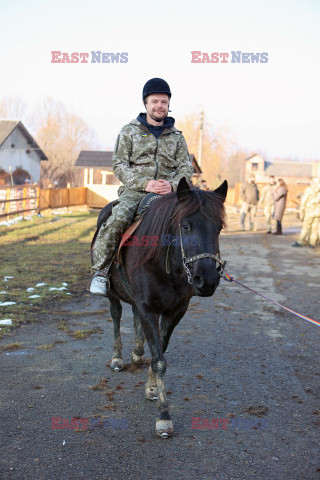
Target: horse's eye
186,227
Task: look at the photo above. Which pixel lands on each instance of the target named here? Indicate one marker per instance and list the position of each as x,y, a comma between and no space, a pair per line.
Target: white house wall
17,157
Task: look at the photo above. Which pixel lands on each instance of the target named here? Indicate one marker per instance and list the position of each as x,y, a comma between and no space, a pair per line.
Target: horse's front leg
150,325
169,322
138,351
117,362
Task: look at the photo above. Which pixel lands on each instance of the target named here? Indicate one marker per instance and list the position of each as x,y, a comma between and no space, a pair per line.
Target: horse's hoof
136,359
164,428
152,393
117,364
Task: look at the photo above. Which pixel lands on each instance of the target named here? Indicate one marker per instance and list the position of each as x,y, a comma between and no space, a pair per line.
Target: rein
228,278
222,264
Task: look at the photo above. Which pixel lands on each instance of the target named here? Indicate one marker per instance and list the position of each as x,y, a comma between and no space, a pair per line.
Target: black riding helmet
156,85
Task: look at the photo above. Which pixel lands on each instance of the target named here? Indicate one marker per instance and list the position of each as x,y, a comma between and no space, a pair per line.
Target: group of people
273,201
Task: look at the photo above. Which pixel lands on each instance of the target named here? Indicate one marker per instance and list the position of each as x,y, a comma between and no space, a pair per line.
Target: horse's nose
198,281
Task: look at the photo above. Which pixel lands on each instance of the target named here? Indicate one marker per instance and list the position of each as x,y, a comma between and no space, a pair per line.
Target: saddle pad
127,234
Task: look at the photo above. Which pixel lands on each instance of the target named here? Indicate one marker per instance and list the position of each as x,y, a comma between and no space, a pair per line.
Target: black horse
177,258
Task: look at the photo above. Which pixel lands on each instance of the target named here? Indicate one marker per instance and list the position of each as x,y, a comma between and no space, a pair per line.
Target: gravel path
234,357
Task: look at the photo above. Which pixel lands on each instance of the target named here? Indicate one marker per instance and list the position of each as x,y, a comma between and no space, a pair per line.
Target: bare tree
62,135
12,108
221,156
190,125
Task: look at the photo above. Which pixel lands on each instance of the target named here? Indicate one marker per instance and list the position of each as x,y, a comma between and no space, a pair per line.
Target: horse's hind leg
117,362
138,351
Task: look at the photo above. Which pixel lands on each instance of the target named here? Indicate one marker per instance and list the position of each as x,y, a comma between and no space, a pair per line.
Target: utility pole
11,177
200,138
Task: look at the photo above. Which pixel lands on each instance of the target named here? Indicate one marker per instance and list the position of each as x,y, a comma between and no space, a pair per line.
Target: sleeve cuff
145,183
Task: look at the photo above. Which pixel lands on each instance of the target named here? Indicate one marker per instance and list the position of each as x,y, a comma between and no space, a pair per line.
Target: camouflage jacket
139,157
267,199
310,202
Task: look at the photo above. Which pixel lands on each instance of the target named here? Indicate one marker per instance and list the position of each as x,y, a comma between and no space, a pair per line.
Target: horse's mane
168,210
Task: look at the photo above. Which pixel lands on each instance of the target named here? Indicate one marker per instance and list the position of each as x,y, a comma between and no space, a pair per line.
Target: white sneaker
99,285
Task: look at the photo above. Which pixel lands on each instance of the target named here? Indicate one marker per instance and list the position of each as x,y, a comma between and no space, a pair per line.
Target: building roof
254,155
96,159
7,127
90,158
288,169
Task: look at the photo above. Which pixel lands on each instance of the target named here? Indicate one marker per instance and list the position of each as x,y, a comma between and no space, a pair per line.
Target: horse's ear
222,190
183,189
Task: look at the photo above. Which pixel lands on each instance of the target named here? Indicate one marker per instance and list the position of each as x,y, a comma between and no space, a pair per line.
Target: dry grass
52,249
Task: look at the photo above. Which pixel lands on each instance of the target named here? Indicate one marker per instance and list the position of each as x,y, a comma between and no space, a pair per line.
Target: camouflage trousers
109,236
310,230
251,210
268,212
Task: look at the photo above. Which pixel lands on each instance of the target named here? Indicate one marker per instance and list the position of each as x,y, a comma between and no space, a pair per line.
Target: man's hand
161,187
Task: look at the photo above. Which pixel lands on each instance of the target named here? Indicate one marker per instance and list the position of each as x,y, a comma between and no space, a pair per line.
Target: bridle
186,260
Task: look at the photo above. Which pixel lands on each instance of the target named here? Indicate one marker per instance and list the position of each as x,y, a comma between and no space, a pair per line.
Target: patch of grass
81,334
44,251
51,345
11,346
62,325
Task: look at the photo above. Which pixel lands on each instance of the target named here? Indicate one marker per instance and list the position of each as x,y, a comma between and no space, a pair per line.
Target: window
254,167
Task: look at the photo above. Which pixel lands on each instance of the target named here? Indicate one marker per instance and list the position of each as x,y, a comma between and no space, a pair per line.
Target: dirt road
234,357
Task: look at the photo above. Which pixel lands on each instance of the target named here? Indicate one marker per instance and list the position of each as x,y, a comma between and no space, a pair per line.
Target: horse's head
200,219
187,223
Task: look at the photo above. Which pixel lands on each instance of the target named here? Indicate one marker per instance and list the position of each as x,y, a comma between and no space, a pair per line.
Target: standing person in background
267,201
310,214
249,195
280,200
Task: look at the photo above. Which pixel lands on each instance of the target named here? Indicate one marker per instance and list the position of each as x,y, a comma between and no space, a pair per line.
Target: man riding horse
150,155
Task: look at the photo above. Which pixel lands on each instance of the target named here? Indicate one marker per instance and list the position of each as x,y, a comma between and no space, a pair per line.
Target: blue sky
272,107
